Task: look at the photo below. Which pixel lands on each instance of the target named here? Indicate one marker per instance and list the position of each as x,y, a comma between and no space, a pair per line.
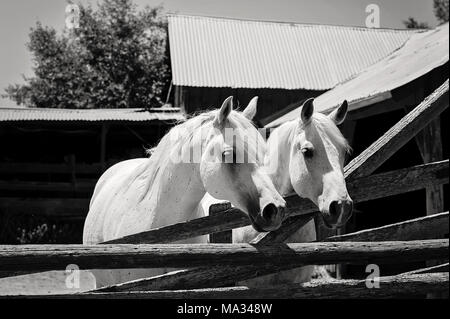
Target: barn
50,160
282,63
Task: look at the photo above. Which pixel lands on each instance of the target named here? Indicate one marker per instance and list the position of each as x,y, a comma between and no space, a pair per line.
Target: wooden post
429,142
430,145
222,237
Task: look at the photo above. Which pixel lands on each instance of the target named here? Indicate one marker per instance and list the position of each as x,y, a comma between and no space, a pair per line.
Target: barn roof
90,115
222,52
422,53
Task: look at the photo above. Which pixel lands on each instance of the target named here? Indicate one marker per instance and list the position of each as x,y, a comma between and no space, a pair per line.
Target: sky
18,16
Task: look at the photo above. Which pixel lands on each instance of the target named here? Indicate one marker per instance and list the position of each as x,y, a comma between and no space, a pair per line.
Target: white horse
193,158
305,156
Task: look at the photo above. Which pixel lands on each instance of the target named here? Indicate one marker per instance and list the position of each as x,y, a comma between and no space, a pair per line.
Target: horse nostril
335,208
269,212
339,207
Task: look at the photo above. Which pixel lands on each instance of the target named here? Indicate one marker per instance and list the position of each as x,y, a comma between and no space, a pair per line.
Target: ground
50,282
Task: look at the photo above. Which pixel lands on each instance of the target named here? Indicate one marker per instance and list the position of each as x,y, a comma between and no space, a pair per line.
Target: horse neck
277,159
175,192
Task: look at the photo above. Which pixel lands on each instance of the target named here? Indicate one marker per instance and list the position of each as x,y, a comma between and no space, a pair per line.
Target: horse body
141,194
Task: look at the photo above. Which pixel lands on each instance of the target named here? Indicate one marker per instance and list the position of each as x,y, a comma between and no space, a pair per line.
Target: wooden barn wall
194,99
48,171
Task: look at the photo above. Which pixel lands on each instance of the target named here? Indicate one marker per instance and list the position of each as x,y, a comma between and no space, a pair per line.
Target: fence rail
361,189
52,257
390,286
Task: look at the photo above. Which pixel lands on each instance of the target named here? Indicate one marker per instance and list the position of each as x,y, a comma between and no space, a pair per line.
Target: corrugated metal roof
220,52
421,54
91,115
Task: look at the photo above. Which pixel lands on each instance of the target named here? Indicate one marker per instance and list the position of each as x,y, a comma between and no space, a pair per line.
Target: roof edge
170,14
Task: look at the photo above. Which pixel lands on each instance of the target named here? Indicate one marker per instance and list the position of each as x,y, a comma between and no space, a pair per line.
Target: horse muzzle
269,219
338,214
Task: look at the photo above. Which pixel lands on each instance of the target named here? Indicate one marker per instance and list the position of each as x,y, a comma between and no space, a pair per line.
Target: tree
441,10
117,57
412,23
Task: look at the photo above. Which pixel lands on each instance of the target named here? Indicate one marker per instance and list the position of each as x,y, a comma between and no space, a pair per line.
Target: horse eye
308,152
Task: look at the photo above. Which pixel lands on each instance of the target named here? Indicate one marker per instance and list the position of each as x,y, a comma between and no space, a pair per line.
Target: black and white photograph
224,155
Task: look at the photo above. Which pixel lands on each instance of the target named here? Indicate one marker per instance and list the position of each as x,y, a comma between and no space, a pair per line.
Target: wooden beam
429,142
382,149
429,227
361,189
44,168
390,286
218,276
57,257
415,229
66,208
60,187
224,236
428,270
231,218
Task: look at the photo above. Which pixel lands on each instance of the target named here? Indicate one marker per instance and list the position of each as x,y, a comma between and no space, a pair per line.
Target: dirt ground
50,282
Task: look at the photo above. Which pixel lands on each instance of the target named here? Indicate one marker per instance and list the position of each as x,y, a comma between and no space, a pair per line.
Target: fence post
223,237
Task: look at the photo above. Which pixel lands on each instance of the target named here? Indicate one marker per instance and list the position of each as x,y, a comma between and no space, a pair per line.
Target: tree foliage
412,23
116,58
441,10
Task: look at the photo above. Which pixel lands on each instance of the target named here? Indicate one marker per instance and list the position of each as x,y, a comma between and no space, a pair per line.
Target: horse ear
225,110
339,114
250,110
307,110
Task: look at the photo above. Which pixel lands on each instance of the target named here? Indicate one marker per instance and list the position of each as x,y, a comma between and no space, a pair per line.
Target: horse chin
262,228
332,226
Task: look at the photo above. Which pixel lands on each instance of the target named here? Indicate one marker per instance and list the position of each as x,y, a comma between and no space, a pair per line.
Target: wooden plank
216,276
430,145
415,229
390,286
67,208
362,189
382,149
429,227
43,168
433,269
60,187
232,218
56,257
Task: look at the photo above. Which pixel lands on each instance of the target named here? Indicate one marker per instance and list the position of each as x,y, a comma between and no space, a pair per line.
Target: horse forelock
182,135
328,128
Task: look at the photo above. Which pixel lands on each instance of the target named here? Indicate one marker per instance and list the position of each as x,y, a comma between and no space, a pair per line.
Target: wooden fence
211,270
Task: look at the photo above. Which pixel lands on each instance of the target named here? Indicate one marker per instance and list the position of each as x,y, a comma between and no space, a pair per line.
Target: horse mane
326,125
159,155
323,124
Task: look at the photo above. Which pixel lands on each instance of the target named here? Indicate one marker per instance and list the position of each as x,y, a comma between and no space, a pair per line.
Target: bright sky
18,16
